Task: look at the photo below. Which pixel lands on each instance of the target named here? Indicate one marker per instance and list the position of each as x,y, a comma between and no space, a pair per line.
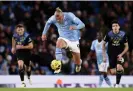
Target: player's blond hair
58,10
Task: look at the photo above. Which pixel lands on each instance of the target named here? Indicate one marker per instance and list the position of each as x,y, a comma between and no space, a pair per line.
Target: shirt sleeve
47,25
77,21
14,36
106,38
125,40
106,46
29,40
92,46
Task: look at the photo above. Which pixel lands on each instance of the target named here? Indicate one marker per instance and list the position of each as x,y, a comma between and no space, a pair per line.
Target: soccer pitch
66,89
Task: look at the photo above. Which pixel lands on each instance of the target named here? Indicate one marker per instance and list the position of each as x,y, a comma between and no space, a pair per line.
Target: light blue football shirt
97,47
63,29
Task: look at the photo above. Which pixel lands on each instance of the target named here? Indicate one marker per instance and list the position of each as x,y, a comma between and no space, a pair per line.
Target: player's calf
29,74
100,80
59,45
59,57
58,52
28,67
119,73
21,71
77,60
107,79
28,70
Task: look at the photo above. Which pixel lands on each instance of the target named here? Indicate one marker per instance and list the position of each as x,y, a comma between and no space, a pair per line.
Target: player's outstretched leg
21,72
58,52
58,55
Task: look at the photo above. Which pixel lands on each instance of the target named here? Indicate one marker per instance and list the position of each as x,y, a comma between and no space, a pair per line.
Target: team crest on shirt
65,23
22,39
116,41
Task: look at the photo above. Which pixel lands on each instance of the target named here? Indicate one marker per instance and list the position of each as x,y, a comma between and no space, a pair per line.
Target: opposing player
117,47
69,34
102,65
21,45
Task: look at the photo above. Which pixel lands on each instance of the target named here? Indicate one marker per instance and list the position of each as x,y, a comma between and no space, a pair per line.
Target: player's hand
44,37
119,57
13,50
72,28
19,46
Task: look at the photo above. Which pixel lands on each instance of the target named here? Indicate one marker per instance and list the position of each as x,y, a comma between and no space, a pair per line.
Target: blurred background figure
3,66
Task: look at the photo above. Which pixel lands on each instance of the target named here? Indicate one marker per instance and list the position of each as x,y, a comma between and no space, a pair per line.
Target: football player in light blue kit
69,27
102,65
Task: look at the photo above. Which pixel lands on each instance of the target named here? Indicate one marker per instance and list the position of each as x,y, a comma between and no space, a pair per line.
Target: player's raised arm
76,20
13,45
47,25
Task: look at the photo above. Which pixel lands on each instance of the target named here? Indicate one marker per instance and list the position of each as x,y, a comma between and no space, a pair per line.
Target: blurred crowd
97,16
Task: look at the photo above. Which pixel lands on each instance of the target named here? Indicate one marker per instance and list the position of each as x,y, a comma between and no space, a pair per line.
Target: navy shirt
22,40
115,42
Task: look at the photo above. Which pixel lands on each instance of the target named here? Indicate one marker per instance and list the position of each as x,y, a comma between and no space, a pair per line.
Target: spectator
3,66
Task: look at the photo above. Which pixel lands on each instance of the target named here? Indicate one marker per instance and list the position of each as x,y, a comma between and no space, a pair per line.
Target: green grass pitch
66,89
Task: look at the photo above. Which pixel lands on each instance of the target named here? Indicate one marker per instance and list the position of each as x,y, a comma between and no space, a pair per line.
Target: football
56,64
122,60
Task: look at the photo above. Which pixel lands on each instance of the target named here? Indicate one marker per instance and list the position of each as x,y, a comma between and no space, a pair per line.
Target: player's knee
76,56
28,68
60,44
105,75
20,67
20,64
119,67
113,71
